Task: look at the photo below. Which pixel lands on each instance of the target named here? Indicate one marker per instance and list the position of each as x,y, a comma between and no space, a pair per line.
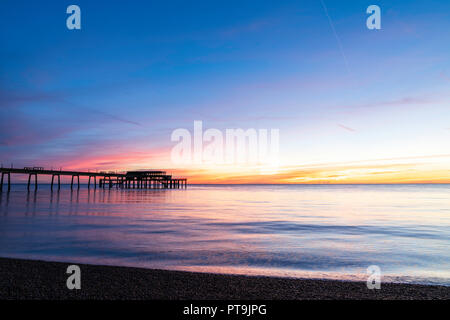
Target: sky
352,105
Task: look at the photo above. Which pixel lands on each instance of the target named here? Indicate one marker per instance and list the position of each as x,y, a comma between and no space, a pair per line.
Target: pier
142,179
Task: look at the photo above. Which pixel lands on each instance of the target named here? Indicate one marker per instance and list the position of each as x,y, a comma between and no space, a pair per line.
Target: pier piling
29,180
71,184
9,181
95,182
59,181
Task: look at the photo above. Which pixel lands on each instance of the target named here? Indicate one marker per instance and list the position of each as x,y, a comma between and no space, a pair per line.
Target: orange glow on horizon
426,169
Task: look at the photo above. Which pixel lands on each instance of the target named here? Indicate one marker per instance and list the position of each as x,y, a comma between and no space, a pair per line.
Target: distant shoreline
32,279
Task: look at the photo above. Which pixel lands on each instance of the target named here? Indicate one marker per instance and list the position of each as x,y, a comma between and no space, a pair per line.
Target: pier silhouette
141,179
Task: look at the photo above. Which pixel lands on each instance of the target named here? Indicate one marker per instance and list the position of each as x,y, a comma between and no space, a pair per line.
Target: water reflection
320,231
31,202
4,203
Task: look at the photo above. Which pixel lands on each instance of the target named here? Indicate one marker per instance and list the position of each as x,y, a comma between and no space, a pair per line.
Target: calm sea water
321,231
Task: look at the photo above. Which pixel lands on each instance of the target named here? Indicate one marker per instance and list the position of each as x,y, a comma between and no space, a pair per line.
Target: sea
298,231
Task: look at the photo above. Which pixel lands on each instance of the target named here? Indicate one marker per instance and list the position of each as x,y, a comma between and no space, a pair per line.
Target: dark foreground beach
26,279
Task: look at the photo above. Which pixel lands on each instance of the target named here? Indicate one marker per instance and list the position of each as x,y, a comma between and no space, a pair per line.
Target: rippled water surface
295,231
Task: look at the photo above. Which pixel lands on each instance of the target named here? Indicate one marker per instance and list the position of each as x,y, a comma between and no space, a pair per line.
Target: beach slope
27,279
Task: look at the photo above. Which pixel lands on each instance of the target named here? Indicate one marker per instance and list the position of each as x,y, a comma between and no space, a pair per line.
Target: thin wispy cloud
58,101
253,26
346,128
405,101
444,76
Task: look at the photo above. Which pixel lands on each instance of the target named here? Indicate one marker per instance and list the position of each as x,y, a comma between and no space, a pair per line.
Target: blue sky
137,70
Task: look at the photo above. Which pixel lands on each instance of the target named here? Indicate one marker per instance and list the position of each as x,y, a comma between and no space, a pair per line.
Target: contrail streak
341,48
